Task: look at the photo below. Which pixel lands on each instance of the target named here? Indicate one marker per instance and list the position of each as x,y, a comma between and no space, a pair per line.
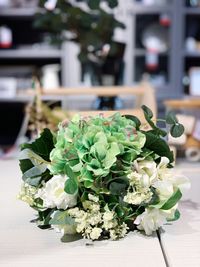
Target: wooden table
23,244
181,242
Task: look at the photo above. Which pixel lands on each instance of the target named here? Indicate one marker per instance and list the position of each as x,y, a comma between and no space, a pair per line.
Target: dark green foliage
134,119
176,129
42,146
158,145
92,28
71,185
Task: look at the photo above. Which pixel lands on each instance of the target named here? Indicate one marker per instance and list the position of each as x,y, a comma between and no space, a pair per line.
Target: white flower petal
164,189
150,220
182,182
53,194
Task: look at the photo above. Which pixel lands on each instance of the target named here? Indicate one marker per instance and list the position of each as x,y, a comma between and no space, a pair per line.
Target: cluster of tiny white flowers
27,194
119,231
87,220
138,196
139,189
108,219
91,222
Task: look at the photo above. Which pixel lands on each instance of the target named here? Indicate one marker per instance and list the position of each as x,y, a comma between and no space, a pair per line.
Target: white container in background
151,60
50,79
8,87
5,37
190,44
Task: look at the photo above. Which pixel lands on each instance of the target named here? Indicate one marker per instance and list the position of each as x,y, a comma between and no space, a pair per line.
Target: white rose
54,196
164,189
163,171
148,170
180,181
150,220
163,163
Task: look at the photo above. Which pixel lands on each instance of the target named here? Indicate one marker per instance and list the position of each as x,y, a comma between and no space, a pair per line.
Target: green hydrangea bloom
96,148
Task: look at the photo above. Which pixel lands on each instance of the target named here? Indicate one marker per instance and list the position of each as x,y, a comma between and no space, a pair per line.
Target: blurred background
49,46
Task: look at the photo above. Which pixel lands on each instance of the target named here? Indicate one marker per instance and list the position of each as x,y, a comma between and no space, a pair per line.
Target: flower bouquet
103,177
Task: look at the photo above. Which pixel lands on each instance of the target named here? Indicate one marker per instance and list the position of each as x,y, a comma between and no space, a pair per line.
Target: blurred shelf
190,103
191,54
28,98
145,9
107,91
19,12
191,10
142,52
30,53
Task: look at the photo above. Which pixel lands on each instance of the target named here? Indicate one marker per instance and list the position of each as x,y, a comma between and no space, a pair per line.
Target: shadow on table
189,222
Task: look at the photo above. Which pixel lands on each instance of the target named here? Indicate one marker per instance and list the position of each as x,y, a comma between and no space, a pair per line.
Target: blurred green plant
90,23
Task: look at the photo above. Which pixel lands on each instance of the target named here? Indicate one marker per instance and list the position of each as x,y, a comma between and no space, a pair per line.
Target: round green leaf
147,112
71,186
171,118
177,130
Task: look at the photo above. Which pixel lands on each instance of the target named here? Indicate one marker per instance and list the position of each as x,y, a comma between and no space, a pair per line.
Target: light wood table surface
23,244
181,241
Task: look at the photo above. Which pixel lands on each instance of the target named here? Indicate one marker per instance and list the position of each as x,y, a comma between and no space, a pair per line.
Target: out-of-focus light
50,4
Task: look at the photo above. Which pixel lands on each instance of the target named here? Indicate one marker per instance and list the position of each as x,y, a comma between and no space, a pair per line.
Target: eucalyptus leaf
147,112
62,218
177,130
29,154
25,165
36,174
34,171
171,118
34,181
